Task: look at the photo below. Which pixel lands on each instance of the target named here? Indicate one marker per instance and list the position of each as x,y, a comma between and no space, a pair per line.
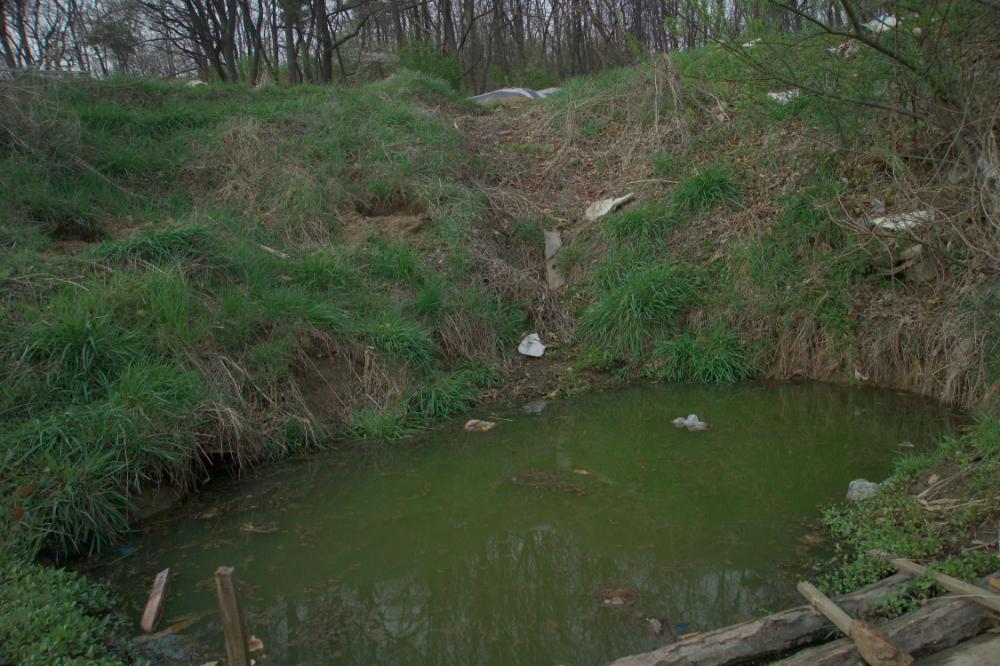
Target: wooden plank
874,646
938,625
154,605
233,622
832,611
766,636
973,592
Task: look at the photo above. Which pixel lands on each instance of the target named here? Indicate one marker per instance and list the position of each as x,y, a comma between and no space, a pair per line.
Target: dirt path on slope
534,175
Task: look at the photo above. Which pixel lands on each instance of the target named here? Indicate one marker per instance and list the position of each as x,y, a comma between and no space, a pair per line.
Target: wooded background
474,44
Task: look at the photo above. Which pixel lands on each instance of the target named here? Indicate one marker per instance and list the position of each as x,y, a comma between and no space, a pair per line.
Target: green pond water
499,547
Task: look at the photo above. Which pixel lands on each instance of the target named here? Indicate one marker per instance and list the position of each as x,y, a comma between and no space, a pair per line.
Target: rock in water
692,423
531,345
861,489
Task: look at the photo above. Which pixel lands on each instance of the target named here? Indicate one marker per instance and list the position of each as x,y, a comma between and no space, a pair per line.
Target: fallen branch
940,624
764,637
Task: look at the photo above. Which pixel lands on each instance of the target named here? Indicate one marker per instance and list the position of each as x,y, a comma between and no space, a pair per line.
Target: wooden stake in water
154,605
233,623
874,646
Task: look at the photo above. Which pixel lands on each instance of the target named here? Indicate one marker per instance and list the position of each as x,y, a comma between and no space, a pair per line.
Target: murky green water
428,552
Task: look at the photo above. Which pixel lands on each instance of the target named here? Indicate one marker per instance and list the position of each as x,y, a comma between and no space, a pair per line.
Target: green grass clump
894,521
187,242
637,304
706,189
369,423
595,359
451,394
54,616
391,261
646,225
401,339
707,357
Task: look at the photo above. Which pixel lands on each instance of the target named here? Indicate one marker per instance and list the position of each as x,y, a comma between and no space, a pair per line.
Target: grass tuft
703,191
639,303
708,357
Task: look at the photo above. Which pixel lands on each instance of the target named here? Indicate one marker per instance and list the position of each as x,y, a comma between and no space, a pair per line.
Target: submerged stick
874,646
233,623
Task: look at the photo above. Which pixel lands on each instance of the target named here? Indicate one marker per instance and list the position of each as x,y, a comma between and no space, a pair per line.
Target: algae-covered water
506,547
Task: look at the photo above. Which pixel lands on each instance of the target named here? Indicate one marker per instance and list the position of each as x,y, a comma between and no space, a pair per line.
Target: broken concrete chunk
531,345
553,242
902,221
600,208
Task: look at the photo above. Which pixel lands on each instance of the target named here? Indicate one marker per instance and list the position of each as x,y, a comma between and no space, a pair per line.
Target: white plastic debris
195,83
752,43
692,423
531,345
784,97
599,209
882,23
516,94
902,221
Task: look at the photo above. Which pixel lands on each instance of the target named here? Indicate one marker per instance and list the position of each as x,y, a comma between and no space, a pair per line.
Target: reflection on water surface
501,547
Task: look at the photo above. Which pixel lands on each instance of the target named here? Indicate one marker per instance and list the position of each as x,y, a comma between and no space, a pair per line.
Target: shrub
429,60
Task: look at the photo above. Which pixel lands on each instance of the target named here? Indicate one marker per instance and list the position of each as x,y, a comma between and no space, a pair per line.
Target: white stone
861,489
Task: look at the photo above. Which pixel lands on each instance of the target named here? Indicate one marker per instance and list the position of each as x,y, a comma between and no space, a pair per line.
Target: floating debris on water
476,425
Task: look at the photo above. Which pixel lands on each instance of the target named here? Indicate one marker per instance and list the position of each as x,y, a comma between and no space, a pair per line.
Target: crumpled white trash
531,345
602,207
692,423
882,23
